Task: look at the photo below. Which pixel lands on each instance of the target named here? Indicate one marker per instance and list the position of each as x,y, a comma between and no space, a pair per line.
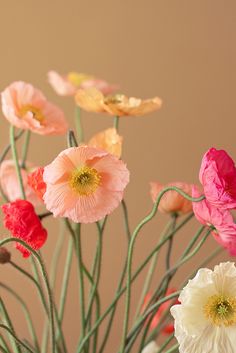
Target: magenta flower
221,221
218,177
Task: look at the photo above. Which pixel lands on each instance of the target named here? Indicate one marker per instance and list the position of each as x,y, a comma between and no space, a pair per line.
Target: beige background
183,51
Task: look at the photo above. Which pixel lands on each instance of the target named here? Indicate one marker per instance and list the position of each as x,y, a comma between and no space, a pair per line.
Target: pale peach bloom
10,184
93,100
108,140
26,108
67,85
84,184
172,201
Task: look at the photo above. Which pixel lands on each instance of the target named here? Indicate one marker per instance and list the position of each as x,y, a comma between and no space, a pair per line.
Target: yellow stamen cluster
115,99
37,114
85,180
221,310
76,78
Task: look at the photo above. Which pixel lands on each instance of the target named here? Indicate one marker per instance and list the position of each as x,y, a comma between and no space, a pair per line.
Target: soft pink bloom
10,184
172,201
84,184
221,219
26,108
218,177
67,85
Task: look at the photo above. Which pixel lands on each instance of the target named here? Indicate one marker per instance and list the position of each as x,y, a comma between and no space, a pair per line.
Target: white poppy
205,321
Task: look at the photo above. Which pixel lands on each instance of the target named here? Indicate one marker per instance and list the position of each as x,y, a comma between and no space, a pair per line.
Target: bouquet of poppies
84,184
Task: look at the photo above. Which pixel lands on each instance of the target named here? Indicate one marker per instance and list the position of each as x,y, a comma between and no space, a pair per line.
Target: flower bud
5,255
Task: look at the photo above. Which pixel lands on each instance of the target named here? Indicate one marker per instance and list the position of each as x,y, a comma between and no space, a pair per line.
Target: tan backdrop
183,51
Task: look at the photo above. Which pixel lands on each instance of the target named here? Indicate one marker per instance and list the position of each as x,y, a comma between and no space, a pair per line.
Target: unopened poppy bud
5,255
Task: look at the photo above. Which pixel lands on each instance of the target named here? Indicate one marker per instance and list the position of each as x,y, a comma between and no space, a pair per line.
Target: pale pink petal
61,84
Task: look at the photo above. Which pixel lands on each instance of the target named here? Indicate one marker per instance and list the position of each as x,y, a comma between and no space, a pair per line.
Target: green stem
122,291
3,349
65,281
45,277
78,249
9,323
25,149
16,161
126,219
8,147
16,339
131,249
173,349
78,124
3,341
165,344
116,121
27,314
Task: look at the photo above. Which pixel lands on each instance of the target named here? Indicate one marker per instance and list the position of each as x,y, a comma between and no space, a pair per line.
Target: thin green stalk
9,323
8,147
78,249
26,313
65,281
16,161
4,343
173,349
4,350
126,219
27,274
25,149
78,124
71,139
122,291
116,121
131,249
45,277
165,344
150,273
16,339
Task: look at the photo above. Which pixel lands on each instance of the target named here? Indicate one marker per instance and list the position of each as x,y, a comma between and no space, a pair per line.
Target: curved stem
126,219
9,323
25,148
45,277
8,147
16,160
27,314
173,349
3,341
131,249
122,291
12,333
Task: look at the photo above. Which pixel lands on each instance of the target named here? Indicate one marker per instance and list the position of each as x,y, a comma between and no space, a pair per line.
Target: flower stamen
36,112
221,310
85,180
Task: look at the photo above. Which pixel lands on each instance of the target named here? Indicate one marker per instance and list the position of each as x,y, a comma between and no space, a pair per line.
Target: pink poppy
26,108
172,201
67,85
10,184
84,184
224,228
218,177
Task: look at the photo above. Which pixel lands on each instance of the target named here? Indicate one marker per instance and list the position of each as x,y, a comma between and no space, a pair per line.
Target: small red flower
22,221
168,328
35,181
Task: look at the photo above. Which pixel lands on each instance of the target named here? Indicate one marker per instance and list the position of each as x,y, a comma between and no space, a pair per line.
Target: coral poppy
84,184
205,321
10,184
26,108
172,201
35,181
93,100
22,221
220,220
108,140
218,177
68,85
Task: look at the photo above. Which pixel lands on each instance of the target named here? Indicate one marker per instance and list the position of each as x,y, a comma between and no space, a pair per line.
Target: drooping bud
5,255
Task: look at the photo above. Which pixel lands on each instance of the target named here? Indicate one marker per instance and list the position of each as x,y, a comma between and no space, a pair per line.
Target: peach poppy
93,100
10,184
84,184
67,85
26,108
172,201
108,140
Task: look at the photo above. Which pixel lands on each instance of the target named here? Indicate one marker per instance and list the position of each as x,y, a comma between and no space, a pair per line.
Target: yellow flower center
221,310
76,79
85,180
37,114
115,99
